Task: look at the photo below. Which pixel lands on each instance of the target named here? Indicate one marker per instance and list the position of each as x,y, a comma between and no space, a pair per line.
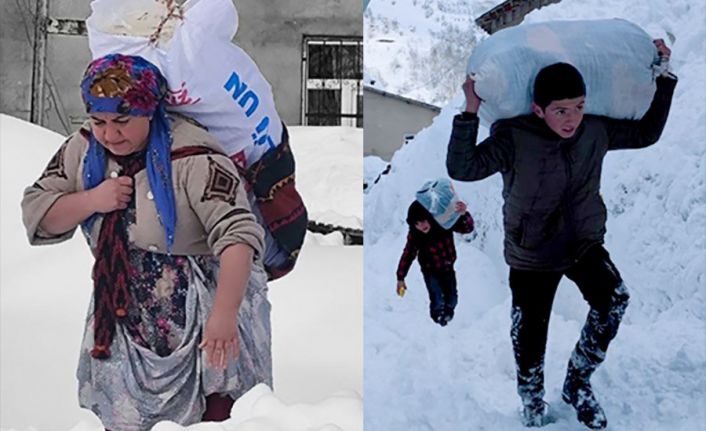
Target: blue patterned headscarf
131,85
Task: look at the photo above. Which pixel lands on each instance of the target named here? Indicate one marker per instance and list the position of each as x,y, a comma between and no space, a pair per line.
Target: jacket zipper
568,212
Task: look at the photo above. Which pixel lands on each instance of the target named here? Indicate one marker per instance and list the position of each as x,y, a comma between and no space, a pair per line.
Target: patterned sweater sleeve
408,255
217,195
60,177
464,224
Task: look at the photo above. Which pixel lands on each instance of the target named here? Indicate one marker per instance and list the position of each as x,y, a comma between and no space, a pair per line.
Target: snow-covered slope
434,35
419,376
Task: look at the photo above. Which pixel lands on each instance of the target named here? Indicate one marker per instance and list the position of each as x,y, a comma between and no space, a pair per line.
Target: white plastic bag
439,198
210,78
614,56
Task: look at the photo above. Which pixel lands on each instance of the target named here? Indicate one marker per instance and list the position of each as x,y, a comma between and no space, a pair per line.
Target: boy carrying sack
433,246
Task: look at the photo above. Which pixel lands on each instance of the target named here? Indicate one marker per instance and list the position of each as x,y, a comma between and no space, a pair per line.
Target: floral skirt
156,370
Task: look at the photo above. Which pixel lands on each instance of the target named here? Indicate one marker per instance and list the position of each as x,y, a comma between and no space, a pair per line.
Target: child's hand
662,48
401,288
461,207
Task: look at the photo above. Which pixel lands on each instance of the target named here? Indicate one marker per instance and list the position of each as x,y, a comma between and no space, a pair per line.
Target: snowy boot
597,333
529,365
535,413
439,317
578,393
448,314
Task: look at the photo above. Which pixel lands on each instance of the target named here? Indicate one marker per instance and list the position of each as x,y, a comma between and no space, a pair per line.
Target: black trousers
443,295
532,296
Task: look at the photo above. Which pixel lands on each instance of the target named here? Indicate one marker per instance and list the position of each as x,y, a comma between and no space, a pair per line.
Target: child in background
433,246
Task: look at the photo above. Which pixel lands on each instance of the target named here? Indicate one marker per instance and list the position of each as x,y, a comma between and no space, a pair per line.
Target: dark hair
416,213
556,82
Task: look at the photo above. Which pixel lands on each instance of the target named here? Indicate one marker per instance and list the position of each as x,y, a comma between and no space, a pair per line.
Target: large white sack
615,57
210,78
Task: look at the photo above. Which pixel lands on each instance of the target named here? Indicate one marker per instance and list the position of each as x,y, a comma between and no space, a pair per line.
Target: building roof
407,100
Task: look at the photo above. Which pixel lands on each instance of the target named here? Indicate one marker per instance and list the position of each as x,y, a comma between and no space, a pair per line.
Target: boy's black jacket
553,210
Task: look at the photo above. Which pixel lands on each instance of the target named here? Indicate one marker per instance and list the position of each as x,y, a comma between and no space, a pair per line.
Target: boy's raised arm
626,134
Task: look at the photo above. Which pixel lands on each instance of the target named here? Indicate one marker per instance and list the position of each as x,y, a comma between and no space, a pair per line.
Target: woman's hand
112,194
71,209
461,207
220,335
220,338
472,99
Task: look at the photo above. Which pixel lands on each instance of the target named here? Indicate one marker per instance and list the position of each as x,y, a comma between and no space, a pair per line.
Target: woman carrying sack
178,326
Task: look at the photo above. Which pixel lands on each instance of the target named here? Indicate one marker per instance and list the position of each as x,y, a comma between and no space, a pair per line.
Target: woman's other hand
220,339
112,194
461,207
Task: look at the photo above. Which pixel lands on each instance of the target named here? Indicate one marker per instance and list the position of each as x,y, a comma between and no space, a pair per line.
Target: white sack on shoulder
210,78
615,57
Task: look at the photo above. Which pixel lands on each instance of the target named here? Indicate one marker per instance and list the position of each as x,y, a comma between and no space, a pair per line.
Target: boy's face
562,116
422,226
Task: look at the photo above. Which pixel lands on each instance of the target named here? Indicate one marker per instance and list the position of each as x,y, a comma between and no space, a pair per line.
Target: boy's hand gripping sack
439,198
617,59
218,84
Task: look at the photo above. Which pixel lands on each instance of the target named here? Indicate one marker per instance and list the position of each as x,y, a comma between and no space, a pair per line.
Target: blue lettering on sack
242,95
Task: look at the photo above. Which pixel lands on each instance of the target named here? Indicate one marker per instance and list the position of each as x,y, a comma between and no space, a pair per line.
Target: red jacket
434,250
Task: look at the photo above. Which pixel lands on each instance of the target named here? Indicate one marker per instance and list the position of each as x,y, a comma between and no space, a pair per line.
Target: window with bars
333,81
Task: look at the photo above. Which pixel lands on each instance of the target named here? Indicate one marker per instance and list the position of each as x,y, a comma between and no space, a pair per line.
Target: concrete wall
67,57
388,119
270,31
15,60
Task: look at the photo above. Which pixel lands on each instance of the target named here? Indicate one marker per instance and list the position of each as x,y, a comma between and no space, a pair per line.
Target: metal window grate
332,71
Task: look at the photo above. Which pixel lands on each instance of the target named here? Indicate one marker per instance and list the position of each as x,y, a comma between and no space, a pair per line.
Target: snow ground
316,310
419,376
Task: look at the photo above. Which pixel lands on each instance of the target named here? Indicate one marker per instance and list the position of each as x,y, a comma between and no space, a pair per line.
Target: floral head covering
122,84
131,85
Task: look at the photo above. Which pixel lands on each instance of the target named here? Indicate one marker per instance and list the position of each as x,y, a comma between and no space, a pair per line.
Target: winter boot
448,314
597,333
578,393
535,413
439,317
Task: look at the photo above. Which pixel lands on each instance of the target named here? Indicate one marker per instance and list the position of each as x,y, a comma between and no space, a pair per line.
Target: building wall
15,60
270,31
388,120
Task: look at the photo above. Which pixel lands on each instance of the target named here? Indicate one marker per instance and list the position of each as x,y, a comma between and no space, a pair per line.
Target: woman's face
120,134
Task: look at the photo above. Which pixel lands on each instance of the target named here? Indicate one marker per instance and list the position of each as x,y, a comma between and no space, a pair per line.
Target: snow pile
328,156
316,310
373,168
260,410
420,376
